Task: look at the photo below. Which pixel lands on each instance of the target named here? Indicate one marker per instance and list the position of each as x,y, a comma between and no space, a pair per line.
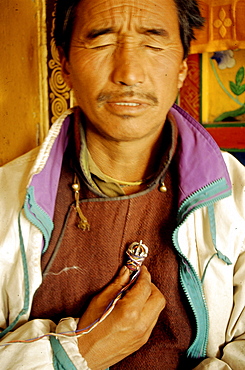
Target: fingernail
123,271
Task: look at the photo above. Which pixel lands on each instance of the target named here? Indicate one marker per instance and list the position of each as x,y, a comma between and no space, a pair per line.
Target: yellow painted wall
20,112
217,96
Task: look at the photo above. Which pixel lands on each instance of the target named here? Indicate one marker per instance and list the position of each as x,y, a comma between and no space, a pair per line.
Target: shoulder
19,166
236,169
14,178
237,175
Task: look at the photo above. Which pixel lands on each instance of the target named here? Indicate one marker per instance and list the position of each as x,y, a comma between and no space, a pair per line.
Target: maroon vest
78,264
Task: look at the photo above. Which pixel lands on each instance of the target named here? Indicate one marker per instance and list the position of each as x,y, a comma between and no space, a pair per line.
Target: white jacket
210,239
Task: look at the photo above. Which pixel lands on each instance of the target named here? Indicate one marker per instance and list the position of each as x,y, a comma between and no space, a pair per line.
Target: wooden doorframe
43,69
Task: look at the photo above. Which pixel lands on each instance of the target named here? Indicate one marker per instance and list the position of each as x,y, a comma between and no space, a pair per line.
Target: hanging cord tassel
83,223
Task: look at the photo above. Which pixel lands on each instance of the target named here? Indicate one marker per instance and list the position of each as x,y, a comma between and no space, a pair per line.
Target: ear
182,73
65,67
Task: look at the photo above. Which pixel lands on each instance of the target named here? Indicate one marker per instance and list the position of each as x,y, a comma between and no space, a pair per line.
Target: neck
125,161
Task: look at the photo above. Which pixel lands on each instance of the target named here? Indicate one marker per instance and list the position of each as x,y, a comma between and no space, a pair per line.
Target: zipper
189,277
38,217
205,196
189,280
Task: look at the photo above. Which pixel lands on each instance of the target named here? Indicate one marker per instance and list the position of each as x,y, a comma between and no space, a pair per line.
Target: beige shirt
105,184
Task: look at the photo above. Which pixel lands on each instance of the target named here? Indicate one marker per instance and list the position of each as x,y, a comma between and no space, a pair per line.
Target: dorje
137,252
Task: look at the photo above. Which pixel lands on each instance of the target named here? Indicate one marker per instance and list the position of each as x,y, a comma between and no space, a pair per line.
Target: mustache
105,96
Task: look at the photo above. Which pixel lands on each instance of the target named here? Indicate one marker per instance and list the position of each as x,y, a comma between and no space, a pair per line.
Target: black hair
188,15
189,18
65,13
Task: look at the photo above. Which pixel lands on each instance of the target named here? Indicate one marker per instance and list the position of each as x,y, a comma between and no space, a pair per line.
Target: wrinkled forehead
110,13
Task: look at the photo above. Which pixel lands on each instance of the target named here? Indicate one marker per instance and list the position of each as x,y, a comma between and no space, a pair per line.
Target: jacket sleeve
233,351
16,290
233,357
47,353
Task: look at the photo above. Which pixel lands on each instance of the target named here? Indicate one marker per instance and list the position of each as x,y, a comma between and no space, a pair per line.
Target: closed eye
156,48
99,47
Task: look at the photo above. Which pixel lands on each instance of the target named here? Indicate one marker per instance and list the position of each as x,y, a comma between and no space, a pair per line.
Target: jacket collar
203,175
199,159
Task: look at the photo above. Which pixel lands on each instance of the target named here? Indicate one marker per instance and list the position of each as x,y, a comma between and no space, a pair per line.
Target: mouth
127,108
127,104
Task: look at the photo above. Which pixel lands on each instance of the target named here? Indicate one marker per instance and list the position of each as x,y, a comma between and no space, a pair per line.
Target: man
121,169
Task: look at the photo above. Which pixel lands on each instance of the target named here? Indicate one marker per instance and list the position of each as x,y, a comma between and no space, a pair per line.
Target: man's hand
128,326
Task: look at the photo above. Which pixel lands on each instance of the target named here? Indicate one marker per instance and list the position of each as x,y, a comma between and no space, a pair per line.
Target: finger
141,290
112,290
155,303
100,302
149,307
142,319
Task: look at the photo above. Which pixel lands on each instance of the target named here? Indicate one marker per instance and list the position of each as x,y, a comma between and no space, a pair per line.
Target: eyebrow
155,31
94,33
98,32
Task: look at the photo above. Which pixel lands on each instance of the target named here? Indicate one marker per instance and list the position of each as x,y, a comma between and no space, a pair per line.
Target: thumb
123,276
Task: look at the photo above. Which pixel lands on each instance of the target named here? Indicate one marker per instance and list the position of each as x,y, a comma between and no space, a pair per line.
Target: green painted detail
231,113
223,124
232,150
222,86
61,360
237,88
26,283
38,217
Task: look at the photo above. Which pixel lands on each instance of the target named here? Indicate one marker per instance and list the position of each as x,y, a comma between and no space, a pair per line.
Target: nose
128,68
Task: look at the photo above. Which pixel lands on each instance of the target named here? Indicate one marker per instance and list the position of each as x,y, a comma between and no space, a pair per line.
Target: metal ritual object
137,253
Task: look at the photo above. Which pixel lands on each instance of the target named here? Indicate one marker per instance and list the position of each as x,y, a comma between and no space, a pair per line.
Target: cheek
166,80
90,72
89,62
167,66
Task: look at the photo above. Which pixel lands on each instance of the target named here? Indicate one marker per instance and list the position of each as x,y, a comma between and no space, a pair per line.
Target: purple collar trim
193,142
46,182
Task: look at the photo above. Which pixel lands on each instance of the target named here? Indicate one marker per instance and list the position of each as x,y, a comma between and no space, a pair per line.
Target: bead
163,188
75,187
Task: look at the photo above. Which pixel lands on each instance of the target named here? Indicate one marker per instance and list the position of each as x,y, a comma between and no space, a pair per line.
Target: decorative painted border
42,69
60,97
224,27
189,97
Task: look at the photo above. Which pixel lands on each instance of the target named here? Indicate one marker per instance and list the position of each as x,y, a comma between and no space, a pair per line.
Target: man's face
125,65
